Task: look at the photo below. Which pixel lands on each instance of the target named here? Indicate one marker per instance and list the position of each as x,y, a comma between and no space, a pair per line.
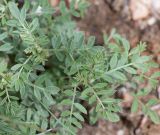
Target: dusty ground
100,18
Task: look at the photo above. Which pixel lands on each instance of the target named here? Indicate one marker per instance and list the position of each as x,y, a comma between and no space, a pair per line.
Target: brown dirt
102,18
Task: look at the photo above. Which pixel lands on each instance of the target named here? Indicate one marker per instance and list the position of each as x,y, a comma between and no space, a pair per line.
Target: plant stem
33,85
74,95
118,68
49,130
8,96
23,66
57,119
99,100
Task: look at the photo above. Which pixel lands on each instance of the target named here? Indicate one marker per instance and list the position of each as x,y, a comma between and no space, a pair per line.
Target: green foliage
50,75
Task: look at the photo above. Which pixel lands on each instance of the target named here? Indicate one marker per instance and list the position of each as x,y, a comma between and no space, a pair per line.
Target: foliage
52,78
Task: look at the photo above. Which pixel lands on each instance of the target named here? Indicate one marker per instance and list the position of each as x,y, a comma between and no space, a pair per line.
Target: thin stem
118,68
73,99
113,70
49,130
99,100
23,66
57,119
8,95
33,85
149,78
71,57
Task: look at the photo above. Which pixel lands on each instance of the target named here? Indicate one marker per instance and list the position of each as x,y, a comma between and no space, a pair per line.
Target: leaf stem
57,119
49,130
33,85
118,68
99,100
7,95
73,99
23,66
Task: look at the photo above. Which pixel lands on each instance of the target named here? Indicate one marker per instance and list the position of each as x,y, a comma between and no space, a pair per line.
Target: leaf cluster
52,77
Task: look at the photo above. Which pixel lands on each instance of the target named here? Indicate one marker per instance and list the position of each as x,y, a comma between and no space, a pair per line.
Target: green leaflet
135,105
6,47
80,108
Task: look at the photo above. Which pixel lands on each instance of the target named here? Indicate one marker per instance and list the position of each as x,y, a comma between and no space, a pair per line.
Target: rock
155,8
140,9
54,3
151,21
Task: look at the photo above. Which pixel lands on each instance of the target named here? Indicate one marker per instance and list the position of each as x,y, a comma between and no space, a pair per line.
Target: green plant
51,77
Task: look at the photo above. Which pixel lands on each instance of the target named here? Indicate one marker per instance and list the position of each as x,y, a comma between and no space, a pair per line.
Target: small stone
140,9
151,21
155,7
54,3
120,132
